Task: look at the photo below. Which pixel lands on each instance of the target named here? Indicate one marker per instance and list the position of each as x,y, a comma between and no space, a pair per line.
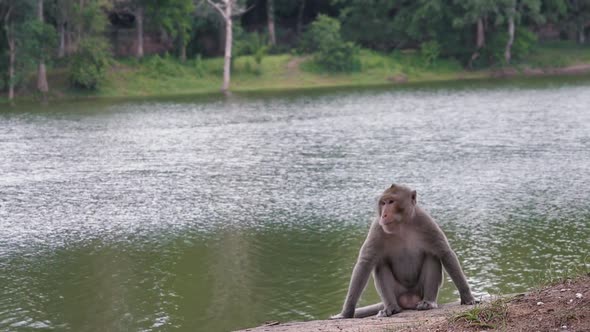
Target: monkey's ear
392,186
414,196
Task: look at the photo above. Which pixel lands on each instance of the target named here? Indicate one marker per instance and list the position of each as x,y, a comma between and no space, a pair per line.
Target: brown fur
406,250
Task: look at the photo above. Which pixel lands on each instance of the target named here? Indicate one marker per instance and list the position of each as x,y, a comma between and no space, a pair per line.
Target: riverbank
157,76
563,306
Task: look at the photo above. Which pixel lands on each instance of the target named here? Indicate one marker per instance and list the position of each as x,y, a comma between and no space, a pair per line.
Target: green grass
492,315
165,75
552,276
559,54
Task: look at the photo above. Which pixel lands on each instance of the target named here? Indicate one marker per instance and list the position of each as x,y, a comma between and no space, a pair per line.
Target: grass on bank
494,315
488,316
166,75
558,54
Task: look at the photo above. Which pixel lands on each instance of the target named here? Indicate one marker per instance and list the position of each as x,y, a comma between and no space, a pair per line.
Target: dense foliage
90,63
476,33
332,53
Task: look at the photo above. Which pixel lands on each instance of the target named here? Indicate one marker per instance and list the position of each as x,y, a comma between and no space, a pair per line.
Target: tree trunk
508,51
300,13
42,85
479,42
270,15
581,34
61,52
11,52
481,37
139,26
182,51
76,40
11,61
228,45
68,39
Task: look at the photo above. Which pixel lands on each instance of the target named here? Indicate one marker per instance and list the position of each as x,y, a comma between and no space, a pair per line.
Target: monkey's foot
388,312
343,315
426,305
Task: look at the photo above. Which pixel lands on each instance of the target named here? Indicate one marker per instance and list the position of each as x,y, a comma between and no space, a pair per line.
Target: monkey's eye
390,202
381,203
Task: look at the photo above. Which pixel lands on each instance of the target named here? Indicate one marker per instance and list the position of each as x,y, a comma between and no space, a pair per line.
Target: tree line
73,34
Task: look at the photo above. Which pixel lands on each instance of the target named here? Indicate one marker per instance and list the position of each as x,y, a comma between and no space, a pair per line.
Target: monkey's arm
442,250
451,264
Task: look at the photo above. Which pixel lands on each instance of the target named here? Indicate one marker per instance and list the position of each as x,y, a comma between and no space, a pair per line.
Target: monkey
406,251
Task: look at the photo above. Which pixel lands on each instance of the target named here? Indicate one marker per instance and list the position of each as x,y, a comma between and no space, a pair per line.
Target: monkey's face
390,213
396,205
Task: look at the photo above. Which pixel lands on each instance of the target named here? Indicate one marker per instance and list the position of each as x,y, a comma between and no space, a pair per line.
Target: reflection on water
222,214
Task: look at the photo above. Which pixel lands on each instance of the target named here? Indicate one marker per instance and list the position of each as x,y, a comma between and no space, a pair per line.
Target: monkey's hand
468,299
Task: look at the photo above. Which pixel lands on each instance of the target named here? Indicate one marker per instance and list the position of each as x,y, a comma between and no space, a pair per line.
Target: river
212,214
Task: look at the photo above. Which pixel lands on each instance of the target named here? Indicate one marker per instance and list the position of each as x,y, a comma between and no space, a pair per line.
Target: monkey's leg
430,281
386,287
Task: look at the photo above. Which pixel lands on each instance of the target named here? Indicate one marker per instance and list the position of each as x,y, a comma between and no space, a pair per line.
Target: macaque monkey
406,250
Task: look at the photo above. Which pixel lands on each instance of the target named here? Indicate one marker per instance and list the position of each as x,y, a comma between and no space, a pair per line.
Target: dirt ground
561,307
564,306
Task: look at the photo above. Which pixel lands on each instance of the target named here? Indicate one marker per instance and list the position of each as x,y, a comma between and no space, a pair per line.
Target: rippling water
221,214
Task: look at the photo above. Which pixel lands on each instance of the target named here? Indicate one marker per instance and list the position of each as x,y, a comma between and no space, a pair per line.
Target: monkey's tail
370,310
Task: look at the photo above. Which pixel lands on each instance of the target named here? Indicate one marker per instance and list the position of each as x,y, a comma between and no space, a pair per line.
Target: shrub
199,66
429,51
89,65
331,52
250,44
524,43
323,31
343,57
156,66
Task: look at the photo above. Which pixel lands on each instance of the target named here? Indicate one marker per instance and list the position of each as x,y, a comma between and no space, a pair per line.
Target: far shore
280,73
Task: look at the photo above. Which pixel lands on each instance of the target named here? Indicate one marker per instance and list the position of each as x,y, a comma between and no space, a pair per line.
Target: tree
176,17
475,12
513,12
139,26
138,7
42,84
76,20
27,38
578,15
89,64
227,9
9,14
390,24
510,15
270,17
64,13
138,10
371,23
300,12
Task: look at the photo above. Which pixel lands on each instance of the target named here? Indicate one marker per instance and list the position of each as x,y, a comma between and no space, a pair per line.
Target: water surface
189,214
